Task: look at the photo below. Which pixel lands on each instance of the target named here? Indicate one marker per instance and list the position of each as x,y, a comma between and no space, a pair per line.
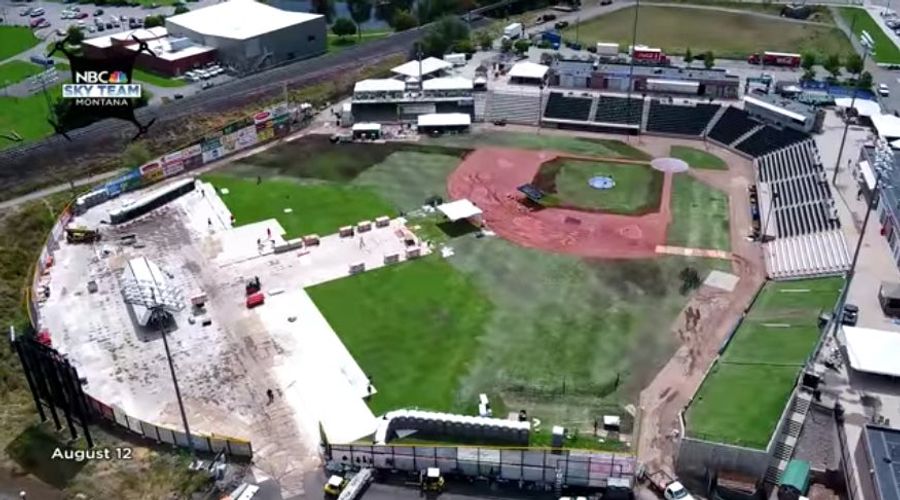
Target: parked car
38,12
178,96
605,2
206,85
36,22
100,27
25,12
81,15
548,17
883,90
851,315
561,25
60,32
98,12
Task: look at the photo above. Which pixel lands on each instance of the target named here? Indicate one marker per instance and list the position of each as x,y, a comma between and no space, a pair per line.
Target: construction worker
270,395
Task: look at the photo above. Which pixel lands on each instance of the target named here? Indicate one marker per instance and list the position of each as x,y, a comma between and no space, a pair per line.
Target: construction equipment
256,299
357,484
665,485
431,480
335,485
81,235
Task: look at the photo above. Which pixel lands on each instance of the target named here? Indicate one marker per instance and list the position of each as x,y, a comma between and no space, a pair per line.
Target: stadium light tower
884,173
868,49
161,300
637,8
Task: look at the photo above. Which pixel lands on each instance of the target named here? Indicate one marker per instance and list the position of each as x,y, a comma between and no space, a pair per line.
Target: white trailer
455,59
607,49
514,31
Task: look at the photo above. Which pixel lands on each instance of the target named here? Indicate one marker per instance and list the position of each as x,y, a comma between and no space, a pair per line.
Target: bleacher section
619,110
514,107
732,125
769,139
808,240
680,119
562,107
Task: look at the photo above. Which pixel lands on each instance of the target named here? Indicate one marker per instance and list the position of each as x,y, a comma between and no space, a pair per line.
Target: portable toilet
794,481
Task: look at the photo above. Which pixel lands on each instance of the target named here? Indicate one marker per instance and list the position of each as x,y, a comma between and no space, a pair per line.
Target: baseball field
564,336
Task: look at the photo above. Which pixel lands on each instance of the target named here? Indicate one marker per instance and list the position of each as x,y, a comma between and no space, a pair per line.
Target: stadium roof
459,209
379,85
528,69
884,459
126,36
444,119
775,108
873,351
448,83
429,65
239,19
163,48
887,126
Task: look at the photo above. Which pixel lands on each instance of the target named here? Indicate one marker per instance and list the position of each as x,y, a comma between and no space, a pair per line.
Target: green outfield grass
742,398
726,34
886,51
15,39
697,158
414,329
27,116
700,215
315,208
578,145
157,80
13,72
637,190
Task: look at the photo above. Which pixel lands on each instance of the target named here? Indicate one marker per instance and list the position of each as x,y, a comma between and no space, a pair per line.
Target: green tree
807,61
521,46
485,40
464,46
832,65
865,81
181,9
324,7
709,59
135,155
403,20
75,35
154,21
853,64
360,12
688,56
343,27
443,34
506,45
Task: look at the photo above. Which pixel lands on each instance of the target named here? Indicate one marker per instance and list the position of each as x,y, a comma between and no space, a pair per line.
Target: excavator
81,235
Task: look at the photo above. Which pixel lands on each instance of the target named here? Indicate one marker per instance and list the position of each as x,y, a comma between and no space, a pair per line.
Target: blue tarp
837,90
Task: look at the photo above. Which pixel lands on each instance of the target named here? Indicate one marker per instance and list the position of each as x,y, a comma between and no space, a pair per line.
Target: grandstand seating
564,107
680,119
514,107
732,124
769,139
619,110
808,237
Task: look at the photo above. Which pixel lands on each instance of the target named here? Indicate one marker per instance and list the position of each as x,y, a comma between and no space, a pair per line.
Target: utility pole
161,316
637,8
868,47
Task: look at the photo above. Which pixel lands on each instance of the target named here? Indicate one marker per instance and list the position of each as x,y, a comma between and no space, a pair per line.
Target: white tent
887,126
379,85
873,351
459,209
527,69
444,120
429,65
864,107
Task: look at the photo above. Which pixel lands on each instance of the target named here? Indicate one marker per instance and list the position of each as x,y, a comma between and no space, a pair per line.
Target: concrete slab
722,280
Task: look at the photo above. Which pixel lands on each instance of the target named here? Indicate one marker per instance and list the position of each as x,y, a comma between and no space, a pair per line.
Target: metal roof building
878,463
250,35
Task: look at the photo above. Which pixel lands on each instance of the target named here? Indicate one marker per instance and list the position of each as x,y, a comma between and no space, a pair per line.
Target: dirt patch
489,178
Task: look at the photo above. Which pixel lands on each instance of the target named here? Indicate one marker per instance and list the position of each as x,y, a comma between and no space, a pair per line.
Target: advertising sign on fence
192,156
246,137
152,172
212,149
173,163
126,182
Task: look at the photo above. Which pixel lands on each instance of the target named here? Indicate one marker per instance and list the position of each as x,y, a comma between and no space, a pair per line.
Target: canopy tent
444,120
379,85
428,66
459,209
863,107
447,83
366,127
527,69
887,126
873,351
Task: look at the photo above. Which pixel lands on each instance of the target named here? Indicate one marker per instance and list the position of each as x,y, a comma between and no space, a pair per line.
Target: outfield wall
265,126
573,468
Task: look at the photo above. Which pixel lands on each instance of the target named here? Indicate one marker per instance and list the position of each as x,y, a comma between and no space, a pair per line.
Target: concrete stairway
715,119
783,450
745,136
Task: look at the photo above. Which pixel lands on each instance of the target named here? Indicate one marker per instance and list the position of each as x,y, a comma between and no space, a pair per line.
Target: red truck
775,59
642,53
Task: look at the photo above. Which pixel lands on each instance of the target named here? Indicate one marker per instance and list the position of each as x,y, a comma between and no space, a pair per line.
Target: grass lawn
27,116
13,72
742,398
637,189
157,80
577,145
403,176
414,328
15,39
337,44
726,34
319,208
697,158
860,20
700,215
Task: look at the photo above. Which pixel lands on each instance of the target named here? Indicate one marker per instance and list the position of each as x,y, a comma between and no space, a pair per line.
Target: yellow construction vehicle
81,235
431,480
335,485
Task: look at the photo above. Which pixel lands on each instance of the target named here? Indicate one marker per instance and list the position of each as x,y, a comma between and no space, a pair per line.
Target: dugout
369,131
441,123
